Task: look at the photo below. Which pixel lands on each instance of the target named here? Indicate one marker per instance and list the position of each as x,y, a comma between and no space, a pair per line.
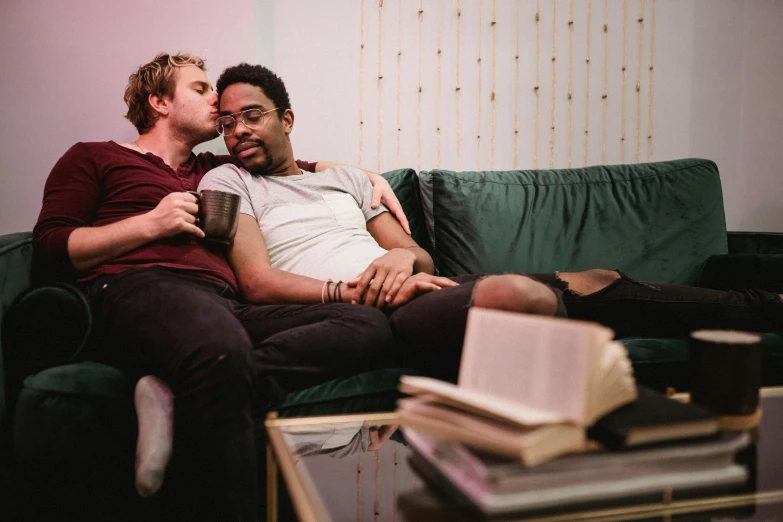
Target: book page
480,403
541,362
616,385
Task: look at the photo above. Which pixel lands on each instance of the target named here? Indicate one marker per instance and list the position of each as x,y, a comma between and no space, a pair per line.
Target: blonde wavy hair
154,78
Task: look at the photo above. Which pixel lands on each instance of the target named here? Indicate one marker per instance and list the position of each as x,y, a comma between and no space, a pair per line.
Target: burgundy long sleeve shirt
96,184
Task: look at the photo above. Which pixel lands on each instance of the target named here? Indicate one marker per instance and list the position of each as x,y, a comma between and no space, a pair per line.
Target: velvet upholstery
657,222
16,251
755,242
737,271
89,415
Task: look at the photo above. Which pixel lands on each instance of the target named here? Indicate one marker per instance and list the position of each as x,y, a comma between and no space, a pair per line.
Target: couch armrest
755,242
45,326
738,271
16,254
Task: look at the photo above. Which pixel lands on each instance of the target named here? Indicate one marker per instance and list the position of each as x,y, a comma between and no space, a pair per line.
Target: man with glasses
298,232
314,238
118,218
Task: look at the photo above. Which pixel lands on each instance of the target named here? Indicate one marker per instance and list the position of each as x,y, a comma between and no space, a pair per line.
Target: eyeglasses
250,118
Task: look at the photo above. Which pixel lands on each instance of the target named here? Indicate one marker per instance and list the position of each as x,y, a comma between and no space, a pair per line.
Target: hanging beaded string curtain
549,64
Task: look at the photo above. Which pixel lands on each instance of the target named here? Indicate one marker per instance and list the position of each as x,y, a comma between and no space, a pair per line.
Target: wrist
347,293
336,292
410,254
144,227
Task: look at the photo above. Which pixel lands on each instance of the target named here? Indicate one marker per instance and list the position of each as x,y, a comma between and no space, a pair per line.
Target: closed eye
201,87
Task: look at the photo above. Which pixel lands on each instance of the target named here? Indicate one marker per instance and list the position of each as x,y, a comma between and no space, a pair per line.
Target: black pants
221,359
429,330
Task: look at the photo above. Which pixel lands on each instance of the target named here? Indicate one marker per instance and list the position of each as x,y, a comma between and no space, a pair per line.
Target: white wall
717,72
759,198
716,92
736,107
65,67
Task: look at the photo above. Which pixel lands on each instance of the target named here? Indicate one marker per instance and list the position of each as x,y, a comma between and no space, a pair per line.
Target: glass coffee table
355,468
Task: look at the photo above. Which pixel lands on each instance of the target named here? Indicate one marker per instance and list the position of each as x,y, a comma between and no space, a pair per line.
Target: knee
368,335
375,326
220,370
589,281
515,293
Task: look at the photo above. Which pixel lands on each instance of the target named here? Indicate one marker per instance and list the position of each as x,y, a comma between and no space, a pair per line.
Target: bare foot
155,411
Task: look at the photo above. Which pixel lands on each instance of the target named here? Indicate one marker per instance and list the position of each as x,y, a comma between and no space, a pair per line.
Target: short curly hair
261,77
154,78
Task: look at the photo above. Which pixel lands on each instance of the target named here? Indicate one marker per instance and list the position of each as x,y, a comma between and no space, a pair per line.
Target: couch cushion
657,222
363,384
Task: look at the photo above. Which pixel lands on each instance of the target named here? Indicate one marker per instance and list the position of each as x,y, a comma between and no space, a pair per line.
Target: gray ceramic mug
218,215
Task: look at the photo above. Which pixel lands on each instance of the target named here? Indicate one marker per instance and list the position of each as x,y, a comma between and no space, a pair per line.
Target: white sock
155,411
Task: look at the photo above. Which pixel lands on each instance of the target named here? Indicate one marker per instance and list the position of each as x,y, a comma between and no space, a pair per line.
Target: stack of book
534,395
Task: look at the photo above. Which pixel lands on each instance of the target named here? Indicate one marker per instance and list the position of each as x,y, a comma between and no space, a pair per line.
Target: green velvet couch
659,222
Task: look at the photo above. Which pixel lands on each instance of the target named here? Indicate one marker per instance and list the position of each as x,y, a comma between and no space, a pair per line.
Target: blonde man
118,219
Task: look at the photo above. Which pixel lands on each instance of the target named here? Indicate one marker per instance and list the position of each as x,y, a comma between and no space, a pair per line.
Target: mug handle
198,202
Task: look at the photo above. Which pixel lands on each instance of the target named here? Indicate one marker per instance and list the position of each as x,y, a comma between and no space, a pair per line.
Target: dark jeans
429,330
221,359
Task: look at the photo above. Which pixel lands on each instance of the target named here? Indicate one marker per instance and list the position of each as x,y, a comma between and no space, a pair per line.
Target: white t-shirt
313,224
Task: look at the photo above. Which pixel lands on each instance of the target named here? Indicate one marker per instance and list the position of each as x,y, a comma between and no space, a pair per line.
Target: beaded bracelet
323,291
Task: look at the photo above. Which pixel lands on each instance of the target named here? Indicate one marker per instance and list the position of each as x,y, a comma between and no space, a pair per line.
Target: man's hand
417,285
384,275
383,193
175,214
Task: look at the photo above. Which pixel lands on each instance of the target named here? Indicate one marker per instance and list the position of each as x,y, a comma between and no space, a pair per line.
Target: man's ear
159,105
288,121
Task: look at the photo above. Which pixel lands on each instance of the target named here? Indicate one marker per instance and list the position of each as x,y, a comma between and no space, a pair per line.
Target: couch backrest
657,222
16,254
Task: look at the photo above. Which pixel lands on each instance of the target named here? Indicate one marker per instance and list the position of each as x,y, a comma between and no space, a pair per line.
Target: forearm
323,165
274,286
423,261
88,247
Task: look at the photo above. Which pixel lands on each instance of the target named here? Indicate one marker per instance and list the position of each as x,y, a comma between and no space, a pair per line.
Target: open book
526,371
535,370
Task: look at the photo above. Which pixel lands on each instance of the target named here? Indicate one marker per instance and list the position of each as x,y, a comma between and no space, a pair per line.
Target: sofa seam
582,182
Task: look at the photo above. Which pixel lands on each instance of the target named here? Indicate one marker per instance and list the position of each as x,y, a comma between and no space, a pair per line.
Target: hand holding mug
218,214
175,214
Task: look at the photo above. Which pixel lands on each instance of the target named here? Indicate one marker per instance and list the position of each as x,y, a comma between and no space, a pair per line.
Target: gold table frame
310,508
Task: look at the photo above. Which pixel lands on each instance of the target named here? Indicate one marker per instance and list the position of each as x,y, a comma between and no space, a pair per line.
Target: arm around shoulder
381,193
